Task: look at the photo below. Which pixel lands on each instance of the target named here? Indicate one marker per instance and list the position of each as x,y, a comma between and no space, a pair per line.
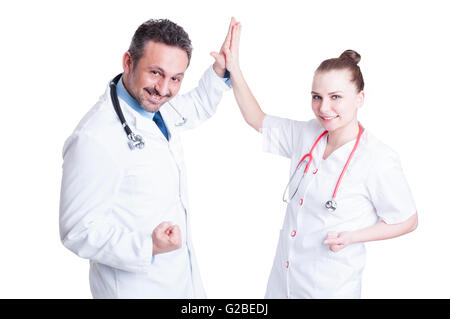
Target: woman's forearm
379,231
248,105
382,230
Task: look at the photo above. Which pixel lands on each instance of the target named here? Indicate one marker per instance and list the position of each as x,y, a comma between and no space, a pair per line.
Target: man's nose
163,87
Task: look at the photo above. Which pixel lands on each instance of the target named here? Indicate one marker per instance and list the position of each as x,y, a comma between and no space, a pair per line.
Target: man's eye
176,79
155,72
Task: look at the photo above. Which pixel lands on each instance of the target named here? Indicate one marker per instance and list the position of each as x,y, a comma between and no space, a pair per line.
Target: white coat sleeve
389,190
201,103
280,135
88,225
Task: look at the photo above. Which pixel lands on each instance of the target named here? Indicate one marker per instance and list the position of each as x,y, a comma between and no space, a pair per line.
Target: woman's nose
324,106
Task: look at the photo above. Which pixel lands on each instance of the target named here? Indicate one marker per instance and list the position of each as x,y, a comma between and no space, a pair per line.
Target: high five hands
228,56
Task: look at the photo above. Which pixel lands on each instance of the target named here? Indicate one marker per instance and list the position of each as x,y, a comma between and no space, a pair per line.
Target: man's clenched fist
166,237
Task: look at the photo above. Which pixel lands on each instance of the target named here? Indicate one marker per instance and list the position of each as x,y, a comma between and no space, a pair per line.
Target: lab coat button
293,233
301,201
287,264
315,171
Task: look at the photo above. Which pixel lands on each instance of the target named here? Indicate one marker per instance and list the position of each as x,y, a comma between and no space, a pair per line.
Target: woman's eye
335,97
316,97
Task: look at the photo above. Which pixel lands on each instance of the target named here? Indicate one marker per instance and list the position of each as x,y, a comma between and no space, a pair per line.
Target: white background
56,60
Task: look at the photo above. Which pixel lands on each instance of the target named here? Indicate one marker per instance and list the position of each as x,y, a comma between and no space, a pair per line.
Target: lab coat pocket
342,271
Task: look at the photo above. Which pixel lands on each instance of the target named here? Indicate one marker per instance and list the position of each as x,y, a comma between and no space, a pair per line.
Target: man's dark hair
159,30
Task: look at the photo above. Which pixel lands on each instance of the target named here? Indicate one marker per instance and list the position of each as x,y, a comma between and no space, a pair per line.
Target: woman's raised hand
228,57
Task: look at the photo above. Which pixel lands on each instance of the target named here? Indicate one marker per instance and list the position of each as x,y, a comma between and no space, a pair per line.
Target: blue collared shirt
131,101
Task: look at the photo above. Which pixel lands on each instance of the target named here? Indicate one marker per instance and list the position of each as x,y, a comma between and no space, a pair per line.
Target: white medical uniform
372,189
112,197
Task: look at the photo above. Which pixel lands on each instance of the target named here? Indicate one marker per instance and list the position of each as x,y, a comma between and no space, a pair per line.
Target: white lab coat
112,198
373,188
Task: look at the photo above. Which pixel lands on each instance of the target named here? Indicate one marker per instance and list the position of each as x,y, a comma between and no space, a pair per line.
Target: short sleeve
390,192
279,135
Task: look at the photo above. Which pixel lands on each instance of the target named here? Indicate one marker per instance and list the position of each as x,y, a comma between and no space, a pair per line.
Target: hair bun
351,55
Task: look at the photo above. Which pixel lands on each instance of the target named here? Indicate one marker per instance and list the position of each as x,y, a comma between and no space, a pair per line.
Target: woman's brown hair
348,60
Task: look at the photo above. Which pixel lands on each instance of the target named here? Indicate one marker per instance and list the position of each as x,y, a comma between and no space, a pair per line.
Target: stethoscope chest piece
135,141
331,205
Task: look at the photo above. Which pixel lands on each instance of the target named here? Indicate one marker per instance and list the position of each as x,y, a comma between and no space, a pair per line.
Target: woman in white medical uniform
350,188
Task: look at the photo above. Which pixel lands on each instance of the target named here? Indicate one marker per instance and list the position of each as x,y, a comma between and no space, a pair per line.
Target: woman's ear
360,98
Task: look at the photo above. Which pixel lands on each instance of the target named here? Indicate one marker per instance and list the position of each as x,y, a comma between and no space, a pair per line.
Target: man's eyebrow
161,70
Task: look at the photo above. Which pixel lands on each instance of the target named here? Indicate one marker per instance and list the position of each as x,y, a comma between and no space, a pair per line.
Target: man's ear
127,62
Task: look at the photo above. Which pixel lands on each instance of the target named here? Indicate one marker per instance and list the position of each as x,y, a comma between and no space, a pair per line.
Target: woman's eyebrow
335,92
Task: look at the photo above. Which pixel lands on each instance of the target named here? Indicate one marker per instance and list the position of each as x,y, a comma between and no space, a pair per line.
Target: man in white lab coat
126,210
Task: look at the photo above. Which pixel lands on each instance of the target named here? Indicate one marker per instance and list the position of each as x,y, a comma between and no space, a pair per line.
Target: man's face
157,76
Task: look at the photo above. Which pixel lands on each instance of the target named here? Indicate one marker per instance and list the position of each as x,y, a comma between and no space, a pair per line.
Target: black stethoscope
135,140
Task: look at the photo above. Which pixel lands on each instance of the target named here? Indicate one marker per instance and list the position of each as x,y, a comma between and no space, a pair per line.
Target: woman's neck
341,136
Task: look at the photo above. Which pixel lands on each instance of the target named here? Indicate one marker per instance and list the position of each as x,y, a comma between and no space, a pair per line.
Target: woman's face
335,100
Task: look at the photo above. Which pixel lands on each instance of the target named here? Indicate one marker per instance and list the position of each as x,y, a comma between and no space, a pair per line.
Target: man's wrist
219,70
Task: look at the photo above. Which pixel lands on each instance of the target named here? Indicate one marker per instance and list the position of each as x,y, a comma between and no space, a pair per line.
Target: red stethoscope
331,205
